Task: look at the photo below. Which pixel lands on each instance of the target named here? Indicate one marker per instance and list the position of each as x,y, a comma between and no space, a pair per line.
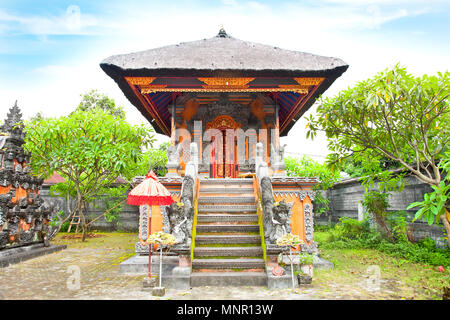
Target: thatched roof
224,52
220,56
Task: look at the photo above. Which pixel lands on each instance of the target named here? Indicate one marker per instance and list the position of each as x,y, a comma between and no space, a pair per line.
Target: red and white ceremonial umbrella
152,193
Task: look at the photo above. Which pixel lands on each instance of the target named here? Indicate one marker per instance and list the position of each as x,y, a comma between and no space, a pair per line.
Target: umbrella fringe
149,200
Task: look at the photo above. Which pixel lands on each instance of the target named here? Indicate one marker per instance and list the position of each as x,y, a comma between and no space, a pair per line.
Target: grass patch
109,240
401,278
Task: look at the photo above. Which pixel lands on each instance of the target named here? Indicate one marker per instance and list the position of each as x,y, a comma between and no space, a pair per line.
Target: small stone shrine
225,103
24,215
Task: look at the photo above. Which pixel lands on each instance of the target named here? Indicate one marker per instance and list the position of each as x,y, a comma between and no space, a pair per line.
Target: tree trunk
55,230
446,226
381,222
83,222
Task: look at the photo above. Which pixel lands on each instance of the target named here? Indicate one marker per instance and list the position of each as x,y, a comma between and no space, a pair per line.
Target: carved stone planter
304,279
158,291
149,283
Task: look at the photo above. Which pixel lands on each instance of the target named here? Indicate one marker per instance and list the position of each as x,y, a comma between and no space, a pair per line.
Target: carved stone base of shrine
19,254
176,269
279,282
283,281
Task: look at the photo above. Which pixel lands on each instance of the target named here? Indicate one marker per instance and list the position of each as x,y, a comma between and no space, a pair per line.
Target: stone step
237,181
227,208
228,239
199,279
242,263
228,252
227,228
227,218
216,199
207,190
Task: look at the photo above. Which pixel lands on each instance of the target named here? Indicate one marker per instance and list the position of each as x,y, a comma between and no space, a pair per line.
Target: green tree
393,115
93,99
90,149
307,167
153,159
363,166
436,203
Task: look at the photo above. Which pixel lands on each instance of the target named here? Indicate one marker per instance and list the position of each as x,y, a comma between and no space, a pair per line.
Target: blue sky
50,50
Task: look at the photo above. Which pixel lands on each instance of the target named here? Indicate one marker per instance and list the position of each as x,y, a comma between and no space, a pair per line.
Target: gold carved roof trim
152,89
226,81
140,81
309,81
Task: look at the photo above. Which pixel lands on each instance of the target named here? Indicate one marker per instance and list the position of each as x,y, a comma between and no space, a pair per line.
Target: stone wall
345,197
128,220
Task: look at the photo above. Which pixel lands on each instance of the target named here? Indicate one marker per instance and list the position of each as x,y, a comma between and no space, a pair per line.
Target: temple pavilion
222,84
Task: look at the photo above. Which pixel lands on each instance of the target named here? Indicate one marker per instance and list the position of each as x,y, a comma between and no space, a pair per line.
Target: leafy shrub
397,221
65,227
377,203
305,259
348,228
352,234
55,221
421,252
307,167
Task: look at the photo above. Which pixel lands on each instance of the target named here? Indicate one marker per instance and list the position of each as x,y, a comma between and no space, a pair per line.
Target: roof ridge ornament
222,33
13,118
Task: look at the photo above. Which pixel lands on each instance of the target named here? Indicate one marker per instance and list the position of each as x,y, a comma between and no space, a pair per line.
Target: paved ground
52,277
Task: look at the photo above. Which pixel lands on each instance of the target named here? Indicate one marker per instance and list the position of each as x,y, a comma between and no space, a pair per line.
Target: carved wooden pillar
172,126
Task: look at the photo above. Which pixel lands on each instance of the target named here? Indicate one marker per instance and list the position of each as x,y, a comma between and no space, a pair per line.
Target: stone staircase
227,244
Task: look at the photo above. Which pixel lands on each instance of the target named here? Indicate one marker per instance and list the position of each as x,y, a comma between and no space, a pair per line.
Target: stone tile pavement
54,277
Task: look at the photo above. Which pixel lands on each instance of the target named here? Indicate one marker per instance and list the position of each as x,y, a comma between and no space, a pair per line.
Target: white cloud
387,2
70,22
322,29
73,18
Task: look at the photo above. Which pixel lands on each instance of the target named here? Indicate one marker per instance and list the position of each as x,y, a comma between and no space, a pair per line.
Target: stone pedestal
149,283
158,291
304,280
176,271
279,282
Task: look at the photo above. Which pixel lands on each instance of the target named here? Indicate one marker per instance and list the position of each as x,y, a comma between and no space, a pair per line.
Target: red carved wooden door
220,167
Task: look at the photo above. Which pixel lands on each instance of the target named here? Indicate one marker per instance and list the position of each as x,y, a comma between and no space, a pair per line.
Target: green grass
261,230
194,229
405,279
113,240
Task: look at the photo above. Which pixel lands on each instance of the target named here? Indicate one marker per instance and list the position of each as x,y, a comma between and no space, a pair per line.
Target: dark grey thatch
223,52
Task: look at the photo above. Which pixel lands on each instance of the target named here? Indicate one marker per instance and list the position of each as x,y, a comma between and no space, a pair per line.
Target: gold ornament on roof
294,88
309,81
226,83
140,81
151,88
